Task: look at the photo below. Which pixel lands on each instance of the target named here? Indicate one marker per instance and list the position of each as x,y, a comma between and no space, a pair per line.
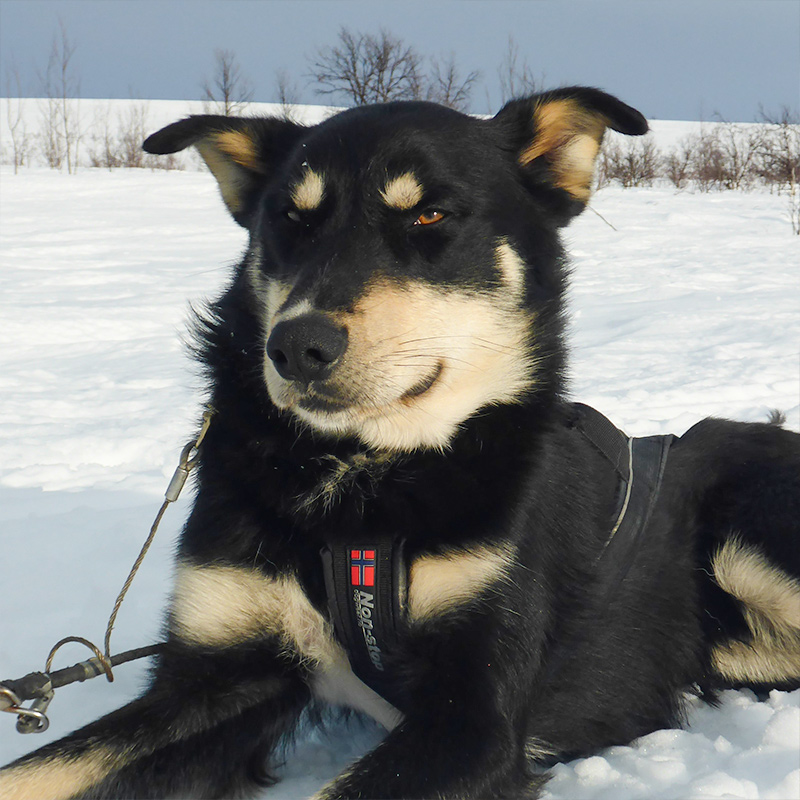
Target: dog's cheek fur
400,334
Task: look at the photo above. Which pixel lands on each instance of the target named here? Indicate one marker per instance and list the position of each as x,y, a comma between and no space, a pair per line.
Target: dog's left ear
241,153
557,137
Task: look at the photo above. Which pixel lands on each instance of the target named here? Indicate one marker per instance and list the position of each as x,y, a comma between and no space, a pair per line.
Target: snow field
690,307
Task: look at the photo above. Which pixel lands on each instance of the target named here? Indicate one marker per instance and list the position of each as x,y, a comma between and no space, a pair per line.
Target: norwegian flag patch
362,568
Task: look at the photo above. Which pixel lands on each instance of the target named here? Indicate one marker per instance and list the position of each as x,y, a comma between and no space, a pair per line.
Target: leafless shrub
780,159
724,156
21,144
229,91
133,130
119,144
677,164
739,145
708,161
779,149
102,146
61,134
635,162
516,77
288,94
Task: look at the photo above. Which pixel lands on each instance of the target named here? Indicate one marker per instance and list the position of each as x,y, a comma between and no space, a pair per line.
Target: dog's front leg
441,754
205,728
463,732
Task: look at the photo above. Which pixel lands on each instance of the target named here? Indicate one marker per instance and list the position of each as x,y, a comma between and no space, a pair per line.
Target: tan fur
57,778
270,295
229,175
438,583
771,607
341,476
223,606
335,682
760,662
569,137
240,147
537,750
402,192
511,267
400,336
277,294
309,192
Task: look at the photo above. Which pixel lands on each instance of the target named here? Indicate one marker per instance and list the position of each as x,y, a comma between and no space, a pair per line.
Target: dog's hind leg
205,728
747,478
769,599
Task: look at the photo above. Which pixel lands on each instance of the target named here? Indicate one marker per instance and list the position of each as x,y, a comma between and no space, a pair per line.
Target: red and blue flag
362,567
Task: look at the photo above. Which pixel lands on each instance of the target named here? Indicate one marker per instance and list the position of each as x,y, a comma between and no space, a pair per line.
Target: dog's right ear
239,152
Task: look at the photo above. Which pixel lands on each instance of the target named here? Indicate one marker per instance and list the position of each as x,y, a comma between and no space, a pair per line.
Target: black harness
367,580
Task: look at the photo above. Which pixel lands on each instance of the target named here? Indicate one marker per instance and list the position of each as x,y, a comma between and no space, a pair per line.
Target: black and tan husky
399,512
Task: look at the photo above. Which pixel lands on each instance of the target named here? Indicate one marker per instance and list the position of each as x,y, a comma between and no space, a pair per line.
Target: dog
398,509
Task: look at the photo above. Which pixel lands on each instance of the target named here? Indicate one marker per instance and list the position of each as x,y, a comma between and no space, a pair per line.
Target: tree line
360,68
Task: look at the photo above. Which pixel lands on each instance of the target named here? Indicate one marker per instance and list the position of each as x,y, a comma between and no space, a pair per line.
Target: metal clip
29,720
187,461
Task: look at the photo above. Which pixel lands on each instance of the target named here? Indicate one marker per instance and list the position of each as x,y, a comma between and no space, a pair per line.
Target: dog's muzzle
306,348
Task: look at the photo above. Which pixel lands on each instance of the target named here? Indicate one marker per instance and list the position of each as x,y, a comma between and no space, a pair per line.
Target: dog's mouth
323,398
315,401
418,389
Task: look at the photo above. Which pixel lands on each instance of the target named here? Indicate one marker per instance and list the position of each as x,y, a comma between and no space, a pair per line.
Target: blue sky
673,59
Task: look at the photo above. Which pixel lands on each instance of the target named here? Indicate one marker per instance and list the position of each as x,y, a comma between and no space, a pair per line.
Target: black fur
484,706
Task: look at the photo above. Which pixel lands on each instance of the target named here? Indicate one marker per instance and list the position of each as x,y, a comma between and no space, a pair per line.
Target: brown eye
430,217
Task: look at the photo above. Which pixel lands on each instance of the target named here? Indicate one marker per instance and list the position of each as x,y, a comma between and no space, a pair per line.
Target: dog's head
404,258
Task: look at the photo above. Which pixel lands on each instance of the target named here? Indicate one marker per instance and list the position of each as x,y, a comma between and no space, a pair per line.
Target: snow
689,306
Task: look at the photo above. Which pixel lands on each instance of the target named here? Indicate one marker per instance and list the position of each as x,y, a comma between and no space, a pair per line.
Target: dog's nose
306,348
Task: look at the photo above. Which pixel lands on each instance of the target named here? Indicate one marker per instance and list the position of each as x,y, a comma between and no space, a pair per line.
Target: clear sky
672,59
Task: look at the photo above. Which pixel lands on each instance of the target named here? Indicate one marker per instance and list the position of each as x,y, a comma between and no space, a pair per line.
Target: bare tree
288,93
516,77
15,107
368,69
61,115
229,91
446,86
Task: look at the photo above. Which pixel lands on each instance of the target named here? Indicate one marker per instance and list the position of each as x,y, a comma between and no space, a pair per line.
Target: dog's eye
429,217
293,215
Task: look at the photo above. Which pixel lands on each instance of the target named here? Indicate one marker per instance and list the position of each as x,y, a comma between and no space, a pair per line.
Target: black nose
306,348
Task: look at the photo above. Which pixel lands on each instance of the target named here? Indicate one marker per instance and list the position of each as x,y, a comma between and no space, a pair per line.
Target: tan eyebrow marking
402,192
309,192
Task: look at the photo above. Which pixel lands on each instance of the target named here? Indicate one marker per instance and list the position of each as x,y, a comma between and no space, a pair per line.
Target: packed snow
688,306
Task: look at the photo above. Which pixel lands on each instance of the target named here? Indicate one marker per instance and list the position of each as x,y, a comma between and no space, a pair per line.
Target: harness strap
648,462
366,581
367,586
611,442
